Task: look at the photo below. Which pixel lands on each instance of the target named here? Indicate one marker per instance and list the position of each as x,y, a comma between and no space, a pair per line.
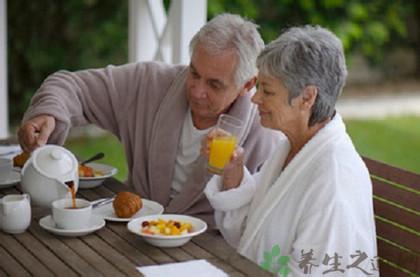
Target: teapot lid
54,161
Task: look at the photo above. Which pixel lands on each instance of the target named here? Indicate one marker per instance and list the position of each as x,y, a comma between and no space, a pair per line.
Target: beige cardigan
144,105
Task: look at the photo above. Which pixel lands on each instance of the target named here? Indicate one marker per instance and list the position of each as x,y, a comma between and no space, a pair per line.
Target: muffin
126,204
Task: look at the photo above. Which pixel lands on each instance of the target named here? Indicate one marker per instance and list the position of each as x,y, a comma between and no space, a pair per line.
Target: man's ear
248,86
309,96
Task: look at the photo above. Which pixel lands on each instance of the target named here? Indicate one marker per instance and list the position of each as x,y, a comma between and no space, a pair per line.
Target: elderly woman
313,196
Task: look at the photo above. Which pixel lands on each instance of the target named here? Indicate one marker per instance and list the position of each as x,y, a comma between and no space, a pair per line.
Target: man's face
210,84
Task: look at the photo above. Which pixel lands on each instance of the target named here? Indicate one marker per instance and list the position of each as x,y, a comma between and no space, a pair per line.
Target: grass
86,147
395,141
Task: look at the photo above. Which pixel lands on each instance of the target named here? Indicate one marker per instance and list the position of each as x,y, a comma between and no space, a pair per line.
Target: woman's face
273,105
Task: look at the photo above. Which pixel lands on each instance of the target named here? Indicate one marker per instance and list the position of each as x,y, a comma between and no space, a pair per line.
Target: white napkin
9,151
193,268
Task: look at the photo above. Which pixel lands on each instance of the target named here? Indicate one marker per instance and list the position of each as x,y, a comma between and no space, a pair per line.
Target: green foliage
46,36
369,27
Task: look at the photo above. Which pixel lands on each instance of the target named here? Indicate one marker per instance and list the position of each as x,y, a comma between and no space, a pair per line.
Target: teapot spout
71,186
69,183
62,186
65,184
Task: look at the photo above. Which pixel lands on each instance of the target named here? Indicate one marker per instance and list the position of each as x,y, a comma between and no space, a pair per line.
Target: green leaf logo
276,265
275,251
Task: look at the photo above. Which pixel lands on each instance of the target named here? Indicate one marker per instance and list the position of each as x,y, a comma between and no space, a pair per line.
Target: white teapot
47,174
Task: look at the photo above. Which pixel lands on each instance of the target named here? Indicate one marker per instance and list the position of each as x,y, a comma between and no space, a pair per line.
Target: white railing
4,117
157,35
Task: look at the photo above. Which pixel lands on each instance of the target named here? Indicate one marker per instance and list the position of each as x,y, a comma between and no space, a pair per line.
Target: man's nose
199,90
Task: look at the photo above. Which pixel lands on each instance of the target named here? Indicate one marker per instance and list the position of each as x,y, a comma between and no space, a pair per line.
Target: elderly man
161,112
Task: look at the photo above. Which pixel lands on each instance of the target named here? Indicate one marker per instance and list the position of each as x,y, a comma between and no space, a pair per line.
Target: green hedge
45,36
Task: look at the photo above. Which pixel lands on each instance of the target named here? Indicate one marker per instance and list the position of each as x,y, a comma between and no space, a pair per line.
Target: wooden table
110,251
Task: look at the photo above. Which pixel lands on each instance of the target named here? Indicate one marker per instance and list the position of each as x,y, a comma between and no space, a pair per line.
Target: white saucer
149,208
13,179
48,224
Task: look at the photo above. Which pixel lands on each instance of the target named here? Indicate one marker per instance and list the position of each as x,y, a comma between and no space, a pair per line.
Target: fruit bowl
198,227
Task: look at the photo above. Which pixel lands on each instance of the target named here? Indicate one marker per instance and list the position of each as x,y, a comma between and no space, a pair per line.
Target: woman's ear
309,96
248,86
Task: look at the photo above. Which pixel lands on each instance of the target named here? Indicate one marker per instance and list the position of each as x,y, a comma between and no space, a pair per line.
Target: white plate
149,208
92,182
10,151
13,179
48,224
198,225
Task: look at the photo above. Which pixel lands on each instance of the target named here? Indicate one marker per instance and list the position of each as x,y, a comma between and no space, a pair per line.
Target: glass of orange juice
222,146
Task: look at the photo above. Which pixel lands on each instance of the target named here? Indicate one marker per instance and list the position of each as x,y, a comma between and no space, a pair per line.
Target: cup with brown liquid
72,214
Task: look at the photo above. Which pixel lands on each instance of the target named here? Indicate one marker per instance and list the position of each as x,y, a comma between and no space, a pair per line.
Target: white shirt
188,151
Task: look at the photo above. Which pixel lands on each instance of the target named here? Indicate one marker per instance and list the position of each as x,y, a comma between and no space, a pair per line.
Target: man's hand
35,132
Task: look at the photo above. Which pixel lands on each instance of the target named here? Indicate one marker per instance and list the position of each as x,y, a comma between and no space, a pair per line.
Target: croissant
126,204
20,160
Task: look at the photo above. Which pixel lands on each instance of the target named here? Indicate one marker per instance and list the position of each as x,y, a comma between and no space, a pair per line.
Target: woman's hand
233,172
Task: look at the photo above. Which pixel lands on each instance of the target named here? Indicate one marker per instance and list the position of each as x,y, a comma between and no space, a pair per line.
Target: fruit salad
165,227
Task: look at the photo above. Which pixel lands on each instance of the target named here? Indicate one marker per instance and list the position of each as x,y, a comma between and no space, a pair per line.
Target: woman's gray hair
229,31
305,56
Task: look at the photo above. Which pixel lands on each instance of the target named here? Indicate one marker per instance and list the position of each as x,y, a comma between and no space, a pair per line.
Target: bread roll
20,160
126,204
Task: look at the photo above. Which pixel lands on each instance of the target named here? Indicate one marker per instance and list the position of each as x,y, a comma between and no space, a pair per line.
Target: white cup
69,218
6,167
15,213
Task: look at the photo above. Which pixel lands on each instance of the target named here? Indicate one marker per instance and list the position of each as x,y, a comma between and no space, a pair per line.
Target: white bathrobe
321,202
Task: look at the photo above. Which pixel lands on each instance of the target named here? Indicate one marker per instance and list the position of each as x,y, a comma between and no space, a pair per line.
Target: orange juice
221,149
